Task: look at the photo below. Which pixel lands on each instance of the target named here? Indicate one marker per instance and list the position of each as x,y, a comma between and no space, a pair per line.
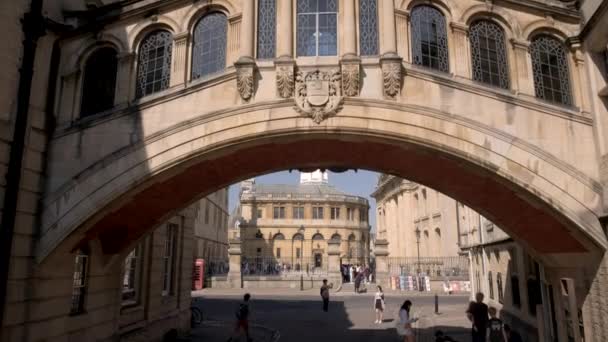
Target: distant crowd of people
357,275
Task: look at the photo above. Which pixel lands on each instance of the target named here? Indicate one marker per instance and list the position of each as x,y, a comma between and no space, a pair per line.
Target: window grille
99,83
209,49
298,212
79,282
267,22
335,213
488,53
317,213
550,68
131,279
278,212
154,67
168,258
368,27
317,28
429,38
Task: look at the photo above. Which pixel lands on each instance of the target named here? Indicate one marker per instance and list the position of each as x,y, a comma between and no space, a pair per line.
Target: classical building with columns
289,226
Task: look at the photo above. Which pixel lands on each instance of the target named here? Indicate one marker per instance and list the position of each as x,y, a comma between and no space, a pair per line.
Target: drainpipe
33,28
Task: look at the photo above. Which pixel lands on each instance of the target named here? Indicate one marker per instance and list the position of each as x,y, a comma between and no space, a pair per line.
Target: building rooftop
314,189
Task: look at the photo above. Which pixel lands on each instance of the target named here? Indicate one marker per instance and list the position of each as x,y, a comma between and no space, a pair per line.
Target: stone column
523,81
580,86
461,50
350,63
180,46
381,254
234,255
390,61
245,65
333,262
285,63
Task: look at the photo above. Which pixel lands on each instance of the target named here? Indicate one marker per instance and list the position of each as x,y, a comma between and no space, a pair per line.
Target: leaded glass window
267,22
429,38
488,53
317,28
368,27
154,66
99,83
550,67
209,50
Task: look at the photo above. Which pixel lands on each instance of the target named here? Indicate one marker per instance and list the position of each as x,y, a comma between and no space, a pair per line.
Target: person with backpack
242,318
379,305
495,327
325,295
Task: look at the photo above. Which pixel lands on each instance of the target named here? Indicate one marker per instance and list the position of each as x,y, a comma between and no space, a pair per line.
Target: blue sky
361,183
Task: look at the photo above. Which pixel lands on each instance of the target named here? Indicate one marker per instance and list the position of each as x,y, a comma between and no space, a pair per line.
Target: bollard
436,304
301,282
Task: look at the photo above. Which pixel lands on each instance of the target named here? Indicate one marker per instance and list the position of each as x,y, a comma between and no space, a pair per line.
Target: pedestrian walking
242,319
495,327
404,325
511,335
379,305
477,313
325,295
358,280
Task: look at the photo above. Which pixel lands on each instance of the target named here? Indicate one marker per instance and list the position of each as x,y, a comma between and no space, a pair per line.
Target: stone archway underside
514,209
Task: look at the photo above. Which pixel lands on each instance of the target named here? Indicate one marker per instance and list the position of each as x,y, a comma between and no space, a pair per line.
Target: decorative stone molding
391,74
351,68
285,77
318,94
245,68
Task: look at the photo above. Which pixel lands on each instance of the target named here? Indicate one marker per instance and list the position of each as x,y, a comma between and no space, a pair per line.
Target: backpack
242,312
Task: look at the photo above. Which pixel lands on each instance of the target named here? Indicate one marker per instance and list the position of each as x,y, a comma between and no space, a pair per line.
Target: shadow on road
304,320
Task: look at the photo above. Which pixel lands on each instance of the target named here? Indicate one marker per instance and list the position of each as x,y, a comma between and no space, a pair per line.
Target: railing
216,267
430,266
271,266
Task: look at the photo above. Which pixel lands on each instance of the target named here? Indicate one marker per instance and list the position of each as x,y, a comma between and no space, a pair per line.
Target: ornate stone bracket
351,73
285,77
391,74
245,69
318,94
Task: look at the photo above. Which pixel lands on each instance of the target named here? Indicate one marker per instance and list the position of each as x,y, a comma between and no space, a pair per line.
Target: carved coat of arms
318,93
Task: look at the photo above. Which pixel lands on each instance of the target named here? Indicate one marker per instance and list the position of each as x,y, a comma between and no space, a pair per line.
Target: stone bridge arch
538,198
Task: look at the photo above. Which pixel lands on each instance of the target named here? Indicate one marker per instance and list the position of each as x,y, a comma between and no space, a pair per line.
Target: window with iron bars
335,213
79,282
317,213
298,213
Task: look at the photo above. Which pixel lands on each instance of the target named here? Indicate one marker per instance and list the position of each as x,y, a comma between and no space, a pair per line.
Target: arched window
278,236
99,84
429,38
351,237
209,49
318,236
368,27
154,63
298,236
267,23
501,296
488,54
336,237
550,67
317,28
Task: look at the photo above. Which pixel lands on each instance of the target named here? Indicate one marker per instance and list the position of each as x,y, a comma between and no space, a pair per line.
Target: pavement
292,315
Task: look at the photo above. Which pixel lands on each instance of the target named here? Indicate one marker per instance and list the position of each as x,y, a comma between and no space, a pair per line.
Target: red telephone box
198,274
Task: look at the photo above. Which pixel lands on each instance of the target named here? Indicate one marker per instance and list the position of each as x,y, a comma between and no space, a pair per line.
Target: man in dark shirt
478,315
242,318
325,295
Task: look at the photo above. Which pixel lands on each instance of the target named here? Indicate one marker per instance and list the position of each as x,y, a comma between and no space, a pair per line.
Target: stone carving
391,73
244,82
350,79
318,94
285,83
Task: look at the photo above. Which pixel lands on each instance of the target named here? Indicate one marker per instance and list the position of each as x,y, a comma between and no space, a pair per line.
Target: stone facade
275,217
402,207
106,180
211,226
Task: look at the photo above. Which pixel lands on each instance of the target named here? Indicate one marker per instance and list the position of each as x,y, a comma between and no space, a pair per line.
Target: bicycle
196,315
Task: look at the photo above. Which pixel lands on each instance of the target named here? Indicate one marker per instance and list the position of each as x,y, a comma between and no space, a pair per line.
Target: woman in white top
404,326
379,305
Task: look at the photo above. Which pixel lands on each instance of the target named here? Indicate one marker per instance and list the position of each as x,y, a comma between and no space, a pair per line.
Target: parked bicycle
196,315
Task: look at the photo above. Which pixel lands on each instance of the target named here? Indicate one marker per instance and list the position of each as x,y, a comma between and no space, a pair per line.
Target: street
299,316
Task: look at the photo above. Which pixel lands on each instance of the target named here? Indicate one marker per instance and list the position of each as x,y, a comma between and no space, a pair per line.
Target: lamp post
417,231
301,231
